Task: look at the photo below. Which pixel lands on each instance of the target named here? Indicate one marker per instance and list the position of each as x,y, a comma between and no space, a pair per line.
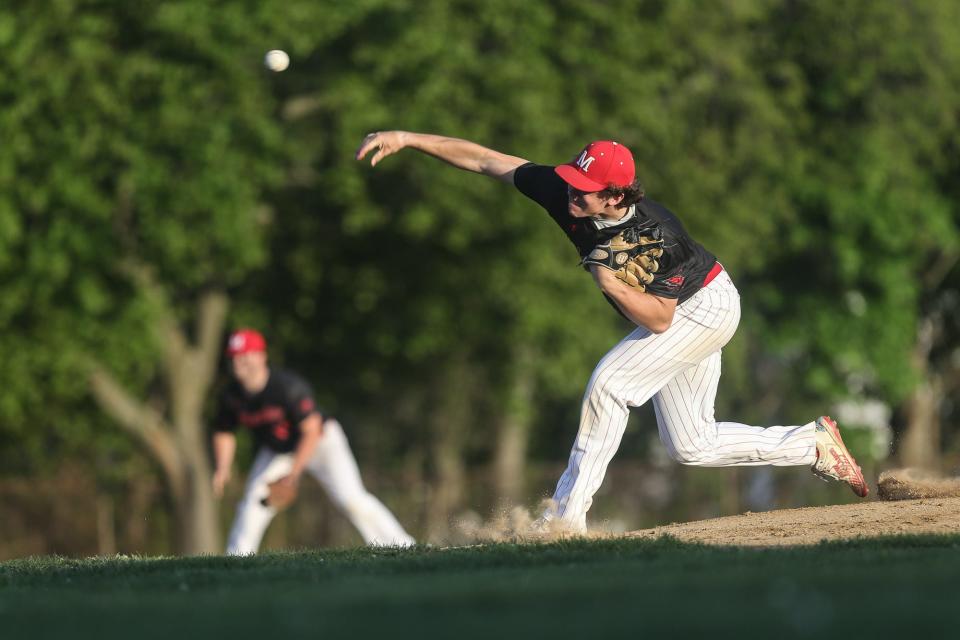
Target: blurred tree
139,138
416,272
859,287
418,285
811,145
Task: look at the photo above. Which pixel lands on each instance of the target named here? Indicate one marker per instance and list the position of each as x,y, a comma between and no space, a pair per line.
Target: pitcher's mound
810,525
908,484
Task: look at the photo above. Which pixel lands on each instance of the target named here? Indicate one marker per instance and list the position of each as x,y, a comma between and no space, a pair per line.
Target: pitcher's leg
253,516
634,370
627,376
336,469
685,419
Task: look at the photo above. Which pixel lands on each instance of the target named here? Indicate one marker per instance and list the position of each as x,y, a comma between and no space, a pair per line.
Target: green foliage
812,146
138,136
392,275
880,100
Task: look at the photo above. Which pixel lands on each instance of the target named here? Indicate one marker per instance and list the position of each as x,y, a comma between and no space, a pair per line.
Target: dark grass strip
604,588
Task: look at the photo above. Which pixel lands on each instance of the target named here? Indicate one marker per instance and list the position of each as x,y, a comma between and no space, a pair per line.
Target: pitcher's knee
601,394
689,454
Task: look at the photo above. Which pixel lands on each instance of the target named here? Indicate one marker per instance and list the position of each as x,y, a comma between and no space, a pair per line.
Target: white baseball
276,60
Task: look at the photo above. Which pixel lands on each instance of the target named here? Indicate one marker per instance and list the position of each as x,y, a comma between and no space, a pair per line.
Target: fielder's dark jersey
684,263
274,415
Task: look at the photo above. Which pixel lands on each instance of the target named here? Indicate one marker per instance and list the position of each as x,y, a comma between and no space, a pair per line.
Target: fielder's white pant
334,466
680,370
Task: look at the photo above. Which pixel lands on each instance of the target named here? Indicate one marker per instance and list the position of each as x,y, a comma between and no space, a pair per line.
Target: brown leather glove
282,493
633,254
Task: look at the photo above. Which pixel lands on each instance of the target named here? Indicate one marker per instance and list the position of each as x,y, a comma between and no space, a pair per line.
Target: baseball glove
633,253
282,494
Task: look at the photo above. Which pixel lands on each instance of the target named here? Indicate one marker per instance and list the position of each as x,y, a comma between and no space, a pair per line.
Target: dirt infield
813,524
805,526
910,502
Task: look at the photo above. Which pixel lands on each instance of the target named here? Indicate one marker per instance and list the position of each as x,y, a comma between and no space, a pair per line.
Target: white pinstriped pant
680,370
335,468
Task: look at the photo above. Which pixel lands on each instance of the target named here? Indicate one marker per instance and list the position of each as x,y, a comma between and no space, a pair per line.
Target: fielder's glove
282,494
633,254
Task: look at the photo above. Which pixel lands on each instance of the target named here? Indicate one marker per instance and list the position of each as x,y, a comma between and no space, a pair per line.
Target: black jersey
684,264
273,415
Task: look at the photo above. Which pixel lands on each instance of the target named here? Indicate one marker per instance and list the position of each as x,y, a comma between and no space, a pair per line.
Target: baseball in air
276,60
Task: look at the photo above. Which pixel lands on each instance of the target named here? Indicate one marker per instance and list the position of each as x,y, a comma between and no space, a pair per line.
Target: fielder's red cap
600,165
245,341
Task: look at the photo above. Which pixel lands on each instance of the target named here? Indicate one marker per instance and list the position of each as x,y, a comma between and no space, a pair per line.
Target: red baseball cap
245,341
601,164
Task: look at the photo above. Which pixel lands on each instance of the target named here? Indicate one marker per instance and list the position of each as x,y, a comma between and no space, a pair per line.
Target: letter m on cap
584,161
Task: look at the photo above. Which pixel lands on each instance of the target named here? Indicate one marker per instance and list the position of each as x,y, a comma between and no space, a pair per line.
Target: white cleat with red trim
834,462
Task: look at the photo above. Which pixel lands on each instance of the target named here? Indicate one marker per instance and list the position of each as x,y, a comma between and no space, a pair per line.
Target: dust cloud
512,523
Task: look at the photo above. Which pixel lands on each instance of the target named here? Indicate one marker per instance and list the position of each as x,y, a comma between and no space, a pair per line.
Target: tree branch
139,420
190,376
211,318
166,332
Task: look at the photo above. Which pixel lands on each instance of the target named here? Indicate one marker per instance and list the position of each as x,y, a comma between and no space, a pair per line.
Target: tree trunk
448,426
920,444
510,457
513,432
198,530
448,485
177,444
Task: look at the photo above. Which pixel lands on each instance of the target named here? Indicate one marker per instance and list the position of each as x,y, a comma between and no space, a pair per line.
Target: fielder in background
292,436
684,304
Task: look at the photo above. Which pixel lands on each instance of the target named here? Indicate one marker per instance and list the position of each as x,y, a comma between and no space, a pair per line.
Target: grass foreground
874,588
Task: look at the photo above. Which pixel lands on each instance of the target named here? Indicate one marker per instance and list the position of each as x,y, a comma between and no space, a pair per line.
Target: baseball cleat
834,462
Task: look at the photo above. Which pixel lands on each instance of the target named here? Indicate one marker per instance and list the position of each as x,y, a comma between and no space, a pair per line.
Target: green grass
598,589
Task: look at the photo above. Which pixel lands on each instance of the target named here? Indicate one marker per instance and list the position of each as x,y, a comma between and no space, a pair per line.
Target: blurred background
158,187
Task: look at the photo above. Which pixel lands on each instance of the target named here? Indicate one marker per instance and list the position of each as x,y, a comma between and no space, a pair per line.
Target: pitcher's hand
385,142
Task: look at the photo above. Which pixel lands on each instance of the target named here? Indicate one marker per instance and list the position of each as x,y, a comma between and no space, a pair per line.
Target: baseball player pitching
292,436
683,302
